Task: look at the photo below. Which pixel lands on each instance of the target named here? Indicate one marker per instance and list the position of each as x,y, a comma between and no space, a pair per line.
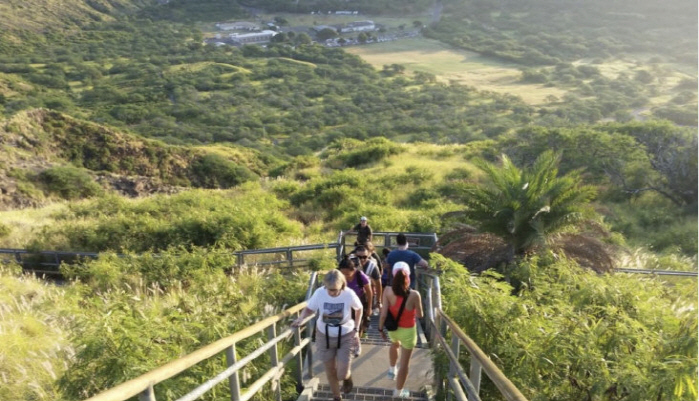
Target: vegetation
573,334
70,182
257,147
525,207
244,219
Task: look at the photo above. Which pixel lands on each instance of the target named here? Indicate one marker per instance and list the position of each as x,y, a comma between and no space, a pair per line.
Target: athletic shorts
406,335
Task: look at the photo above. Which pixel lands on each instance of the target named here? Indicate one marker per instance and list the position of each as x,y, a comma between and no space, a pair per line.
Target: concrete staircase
369,373
366,394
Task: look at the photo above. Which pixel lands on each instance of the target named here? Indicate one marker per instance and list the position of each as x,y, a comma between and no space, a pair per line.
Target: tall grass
35,346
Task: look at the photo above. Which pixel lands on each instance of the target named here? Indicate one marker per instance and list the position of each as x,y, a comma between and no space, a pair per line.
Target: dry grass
34,346
24,223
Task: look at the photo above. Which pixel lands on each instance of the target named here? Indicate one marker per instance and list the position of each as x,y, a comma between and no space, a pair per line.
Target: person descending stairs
370,373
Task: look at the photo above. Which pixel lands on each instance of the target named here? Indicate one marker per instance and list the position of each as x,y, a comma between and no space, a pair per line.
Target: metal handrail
143,386
388,241
465,387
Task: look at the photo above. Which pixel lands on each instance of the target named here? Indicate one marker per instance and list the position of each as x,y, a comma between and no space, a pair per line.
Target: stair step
366,394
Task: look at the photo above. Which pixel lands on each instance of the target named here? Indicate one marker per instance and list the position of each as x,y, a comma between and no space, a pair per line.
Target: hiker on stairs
405,306
337,332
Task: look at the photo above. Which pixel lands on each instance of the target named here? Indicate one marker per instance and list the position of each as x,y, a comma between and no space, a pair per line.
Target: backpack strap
402,306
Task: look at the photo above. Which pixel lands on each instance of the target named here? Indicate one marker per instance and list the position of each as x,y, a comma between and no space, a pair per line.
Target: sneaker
358,350
403,393
347,385
392,374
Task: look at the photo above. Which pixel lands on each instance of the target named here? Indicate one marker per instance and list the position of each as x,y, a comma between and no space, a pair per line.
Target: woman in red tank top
405,337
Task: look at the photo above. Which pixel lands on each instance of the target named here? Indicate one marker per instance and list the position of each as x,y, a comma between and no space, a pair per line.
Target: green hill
36,141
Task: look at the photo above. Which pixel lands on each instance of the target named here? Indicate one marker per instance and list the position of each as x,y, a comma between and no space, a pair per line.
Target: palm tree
526,206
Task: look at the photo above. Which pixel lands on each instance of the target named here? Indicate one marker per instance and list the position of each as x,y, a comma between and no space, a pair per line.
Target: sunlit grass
25,222
34,345
642,259
449,64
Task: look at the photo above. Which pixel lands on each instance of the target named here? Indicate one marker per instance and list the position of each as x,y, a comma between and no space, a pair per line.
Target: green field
448,64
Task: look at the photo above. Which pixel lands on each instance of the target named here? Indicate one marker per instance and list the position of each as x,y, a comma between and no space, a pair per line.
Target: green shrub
573,334
215,171
246,219
129,327
70,182
35,338
353,153
5,230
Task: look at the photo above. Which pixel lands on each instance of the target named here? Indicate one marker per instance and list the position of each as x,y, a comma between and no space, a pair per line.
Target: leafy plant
524,207
574,334
70,182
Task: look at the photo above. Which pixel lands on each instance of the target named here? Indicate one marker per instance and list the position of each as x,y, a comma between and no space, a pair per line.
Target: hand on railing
302,320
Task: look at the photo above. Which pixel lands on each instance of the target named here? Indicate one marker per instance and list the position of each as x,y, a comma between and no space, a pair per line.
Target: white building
252,38
359,26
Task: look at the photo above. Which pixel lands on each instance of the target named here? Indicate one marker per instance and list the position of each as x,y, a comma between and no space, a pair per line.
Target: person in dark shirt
403,254
363,231
371,269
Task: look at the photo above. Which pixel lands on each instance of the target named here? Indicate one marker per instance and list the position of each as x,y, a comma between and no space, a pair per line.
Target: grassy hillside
48,155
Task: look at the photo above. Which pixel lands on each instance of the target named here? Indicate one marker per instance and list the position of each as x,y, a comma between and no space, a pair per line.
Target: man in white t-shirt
337,332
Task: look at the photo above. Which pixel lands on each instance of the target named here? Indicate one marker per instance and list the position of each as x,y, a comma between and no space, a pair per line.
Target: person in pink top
405,337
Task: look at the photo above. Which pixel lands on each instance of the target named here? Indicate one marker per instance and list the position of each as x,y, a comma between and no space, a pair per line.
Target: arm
422,263
358,319
384,310
304,314
369,294
418,307
358,311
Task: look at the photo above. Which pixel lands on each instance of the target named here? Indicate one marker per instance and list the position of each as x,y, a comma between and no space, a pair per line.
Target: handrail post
455,343
299,360
274,359
310,326
233,380
147,394
290,257
475,374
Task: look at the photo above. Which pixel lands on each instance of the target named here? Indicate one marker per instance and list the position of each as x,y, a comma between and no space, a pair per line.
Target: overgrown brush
129,329
248,218
574,334
35,321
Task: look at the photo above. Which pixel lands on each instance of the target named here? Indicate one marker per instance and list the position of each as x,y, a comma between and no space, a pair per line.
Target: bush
132,325
353,153
636,335
246,219
215,171
70,182
5,230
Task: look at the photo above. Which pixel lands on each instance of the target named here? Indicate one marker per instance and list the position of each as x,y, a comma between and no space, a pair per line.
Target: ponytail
400,283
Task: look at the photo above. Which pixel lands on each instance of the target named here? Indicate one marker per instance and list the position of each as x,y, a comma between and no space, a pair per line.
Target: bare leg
405,355
331,373
393,353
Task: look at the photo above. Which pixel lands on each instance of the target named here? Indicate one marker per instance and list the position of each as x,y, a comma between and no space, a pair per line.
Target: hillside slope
34,141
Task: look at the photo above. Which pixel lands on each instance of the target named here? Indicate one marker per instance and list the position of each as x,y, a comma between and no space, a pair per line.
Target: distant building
319,28
252,38
358,26
237,26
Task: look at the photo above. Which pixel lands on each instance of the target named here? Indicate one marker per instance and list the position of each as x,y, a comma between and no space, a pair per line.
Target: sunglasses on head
362,257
